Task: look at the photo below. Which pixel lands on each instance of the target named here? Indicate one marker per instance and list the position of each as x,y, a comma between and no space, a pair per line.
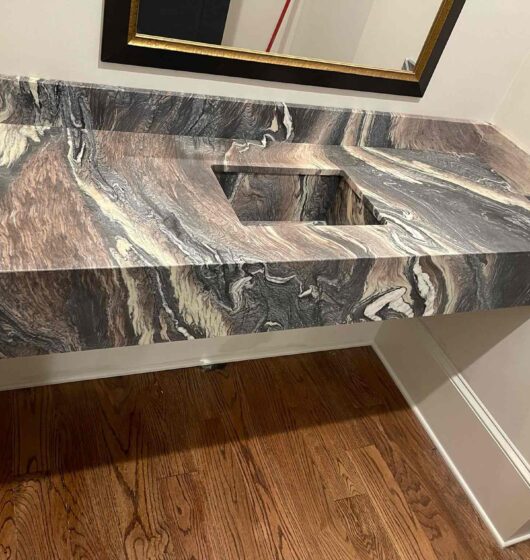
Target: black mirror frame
122,44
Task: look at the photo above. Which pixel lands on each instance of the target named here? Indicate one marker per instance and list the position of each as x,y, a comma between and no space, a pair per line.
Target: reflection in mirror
387,34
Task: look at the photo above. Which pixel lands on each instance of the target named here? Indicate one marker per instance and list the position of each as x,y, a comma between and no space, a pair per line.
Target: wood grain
365,529
184,502
8,537
293,458
41,519
8,540
423,498
271,531
32,453
391,505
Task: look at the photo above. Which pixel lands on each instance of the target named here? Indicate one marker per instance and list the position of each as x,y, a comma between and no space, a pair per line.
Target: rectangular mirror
389,46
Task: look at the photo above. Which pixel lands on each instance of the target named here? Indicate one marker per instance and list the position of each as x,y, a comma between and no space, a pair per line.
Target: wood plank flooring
304,457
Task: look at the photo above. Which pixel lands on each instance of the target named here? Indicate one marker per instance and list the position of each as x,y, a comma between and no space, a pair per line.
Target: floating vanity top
112,238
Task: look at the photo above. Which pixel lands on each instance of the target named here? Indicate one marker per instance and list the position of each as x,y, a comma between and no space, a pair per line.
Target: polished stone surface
113,238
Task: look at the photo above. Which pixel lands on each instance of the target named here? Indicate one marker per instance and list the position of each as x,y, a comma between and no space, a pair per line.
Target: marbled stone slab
115,238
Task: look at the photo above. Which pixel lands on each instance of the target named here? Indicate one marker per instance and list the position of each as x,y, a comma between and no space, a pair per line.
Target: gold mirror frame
302,69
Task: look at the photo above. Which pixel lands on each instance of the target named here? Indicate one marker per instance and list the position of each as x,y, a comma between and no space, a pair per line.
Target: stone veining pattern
116,230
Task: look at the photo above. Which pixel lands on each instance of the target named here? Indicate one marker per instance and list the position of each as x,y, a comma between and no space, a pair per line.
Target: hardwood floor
304,457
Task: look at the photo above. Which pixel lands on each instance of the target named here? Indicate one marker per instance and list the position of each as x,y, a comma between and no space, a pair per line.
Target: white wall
513,114
61,39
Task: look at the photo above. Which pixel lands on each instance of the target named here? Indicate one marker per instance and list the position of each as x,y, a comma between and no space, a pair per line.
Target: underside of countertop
132,217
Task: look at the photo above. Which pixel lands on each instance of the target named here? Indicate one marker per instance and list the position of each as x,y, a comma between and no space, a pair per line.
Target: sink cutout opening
266,198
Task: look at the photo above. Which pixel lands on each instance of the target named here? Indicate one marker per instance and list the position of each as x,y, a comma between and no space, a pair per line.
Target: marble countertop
77,199
139,226
113,238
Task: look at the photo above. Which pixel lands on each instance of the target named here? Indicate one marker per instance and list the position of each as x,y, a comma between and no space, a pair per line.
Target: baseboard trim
473,401
517,540
432,385
446,457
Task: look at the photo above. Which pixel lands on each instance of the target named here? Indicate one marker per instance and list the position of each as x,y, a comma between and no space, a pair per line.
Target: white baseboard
49,369
488,466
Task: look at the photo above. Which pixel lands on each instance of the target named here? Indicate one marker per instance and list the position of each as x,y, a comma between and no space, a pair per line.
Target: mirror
375,45
378,33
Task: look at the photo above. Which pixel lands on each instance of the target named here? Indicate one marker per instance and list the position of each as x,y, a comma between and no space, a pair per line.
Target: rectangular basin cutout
263,198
